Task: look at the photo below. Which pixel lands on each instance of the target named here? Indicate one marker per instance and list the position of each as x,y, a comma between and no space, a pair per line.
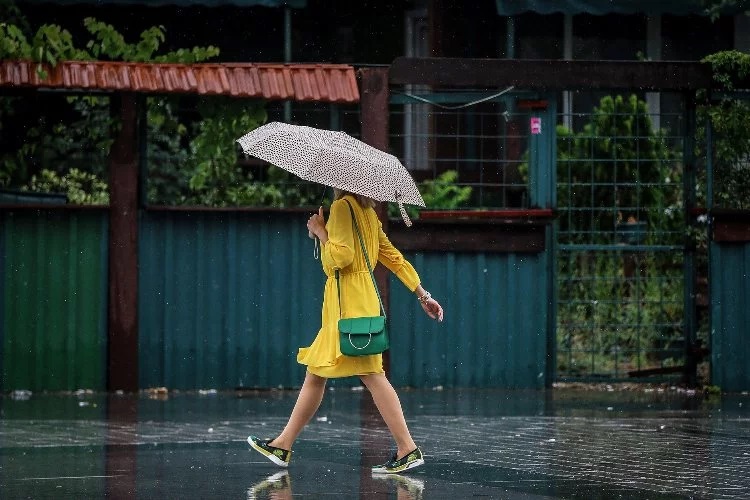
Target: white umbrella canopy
334,159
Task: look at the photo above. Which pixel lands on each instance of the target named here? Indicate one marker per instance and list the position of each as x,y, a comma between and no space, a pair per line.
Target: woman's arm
394,261
336,239
392,258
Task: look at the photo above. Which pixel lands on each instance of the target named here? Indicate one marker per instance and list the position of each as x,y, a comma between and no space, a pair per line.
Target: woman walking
342,254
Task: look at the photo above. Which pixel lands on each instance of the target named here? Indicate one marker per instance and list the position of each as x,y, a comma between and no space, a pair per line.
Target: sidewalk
477,443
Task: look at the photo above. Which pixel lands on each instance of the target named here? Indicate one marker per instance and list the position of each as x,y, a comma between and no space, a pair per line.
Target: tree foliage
440,193
191,154
215,177
192,157
615,169
81,188
52,44
729,117
714,8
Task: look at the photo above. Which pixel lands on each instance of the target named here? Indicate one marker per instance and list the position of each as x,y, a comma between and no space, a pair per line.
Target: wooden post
122,366
120,447
374,104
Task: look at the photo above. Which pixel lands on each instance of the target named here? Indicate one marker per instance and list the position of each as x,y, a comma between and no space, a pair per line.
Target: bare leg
389,406
308,402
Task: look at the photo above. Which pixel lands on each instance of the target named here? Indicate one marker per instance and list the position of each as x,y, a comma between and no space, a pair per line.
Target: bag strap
367,260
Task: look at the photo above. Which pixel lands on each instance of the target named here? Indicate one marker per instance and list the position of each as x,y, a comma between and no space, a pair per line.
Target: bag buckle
364,346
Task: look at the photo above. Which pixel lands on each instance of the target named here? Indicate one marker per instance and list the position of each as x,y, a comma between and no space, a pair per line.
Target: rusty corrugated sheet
300,82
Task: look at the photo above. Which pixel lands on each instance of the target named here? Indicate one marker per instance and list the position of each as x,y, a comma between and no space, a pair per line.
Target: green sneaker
276,455
276,483
412,486
394,465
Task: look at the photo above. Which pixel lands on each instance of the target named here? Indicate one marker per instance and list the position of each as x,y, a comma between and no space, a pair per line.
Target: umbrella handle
310,235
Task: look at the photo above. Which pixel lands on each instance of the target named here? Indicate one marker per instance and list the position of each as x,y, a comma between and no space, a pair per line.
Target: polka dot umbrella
334,159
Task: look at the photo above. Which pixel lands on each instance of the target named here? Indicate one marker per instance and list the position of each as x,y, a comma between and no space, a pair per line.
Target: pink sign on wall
536,125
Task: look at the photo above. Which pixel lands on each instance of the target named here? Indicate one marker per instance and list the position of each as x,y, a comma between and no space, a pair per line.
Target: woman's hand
433,309
316,225
431,306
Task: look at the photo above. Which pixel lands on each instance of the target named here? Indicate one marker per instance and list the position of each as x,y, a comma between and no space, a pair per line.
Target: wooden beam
731,226
122,366
471,236
551,74
374,115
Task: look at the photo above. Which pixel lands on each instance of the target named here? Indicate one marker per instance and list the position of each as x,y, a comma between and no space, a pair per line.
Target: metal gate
624,273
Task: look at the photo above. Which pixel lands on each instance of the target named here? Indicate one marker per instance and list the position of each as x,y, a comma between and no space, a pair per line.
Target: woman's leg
308,402
389,406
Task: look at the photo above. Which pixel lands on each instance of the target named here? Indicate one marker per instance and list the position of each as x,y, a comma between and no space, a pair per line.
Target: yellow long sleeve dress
342,251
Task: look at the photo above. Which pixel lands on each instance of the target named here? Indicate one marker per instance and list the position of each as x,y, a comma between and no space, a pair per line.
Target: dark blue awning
602,7
297,4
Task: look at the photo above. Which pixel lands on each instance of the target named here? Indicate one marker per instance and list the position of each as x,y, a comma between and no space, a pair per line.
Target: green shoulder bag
366,335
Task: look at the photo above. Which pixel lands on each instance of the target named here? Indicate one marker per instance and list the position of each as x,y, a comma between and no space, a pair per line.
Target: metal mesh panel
478,137
620,242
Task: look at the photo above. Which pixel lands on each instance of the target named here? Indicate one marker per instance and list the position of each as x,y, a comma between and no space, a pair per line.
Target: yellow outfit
343,251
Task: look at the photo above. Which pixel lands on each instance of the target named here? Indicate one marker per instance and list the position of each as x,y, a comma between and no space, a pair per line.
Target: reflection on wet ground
477,443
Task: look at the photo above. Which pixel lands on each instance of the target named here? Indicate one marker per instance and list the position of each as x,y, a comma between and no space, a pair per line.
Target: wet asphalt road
556,444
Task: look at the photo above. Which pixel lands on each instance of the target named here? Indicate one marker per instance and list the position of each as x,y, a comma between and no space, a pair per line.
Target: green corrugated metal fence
53,324
730,315
495,332
226,298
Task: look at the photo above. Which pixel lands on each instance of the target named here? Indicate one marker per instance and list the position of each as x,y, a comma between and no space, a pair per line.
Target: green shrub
729,117
440,193
81,188
77,132
616,168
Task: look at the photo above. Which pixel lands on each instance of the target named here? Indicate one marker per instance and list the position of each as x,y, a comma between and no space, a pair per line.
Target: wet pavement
642,444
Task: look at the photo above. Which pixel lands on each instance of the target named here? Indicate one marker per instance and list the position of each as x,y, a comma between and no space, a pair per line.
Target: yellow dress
342,251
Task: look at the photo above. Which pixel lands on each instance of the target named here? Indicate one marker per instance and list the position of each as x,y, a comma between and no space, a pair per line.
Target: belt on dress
348,273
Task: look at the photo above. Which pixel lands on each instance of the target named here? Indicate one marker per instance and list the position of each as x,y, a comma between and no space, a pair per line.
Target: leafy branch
75,132
729,67
52,44
714,8
728,117
443,192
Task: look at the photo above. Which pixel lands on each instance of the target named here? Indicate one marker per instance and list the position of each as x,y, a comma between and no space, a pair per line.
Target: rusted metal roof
300,82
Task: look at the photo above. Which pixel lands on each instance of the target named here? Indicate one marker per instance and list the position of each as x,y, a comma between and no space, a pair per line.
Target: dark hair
363,200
